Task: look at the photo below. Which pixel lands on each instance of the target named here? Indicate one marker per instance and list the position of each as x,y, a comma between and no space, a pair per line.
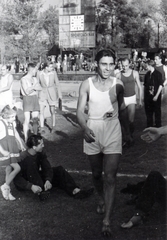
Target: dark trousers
61,179
153,190
153,109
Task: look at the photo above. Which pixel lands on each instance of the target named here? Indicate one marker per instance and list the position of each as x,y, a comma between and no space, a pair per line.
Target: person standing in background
49,94
131,81
153,85
17,65
162,69
29,89
6,82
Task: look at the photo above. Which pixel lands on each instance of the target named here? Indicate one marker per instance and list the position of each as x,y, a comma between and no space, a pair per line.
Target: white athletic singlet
103,121
102,104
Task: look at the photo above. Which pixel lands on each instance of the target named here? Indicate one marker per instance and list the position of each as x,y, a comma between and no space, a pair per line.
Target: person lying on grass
37,175
152,190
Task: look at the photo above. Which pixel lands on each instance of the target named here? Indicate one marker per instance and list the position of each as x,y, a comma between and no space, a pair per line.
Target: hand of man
36,189
89,135
151,134
154,98
47,185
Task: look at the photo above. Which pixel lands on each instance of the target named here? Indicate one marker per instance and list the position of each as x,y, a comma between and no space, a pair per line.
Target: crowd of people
73,62
107,128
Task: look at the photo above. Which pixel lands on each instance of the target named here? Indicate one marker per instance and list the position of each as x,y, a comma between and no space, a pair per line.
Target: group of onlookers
71,62
39,88
111,97
151,93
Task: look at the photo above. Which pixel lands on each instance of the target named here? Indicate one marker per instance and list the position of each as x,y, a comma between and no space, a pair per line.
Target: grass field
64,218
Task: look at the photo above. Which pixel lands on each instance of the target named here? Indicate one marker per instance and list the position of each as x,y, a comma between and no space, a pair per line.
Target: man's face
34,71
39,147
4,71
119,65
157,60
50,68
125,65
105,67
148,67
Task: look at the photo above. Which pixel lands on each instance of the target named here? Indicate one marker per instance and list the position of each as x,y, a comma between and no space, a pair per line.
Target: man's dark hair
46,64
104,53
31,65
33,140
126,59
159,55
151,63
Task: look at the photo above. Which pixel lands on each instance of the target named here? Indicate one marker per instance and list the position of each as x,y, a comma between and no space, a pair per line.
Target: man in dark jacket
153,85
37,175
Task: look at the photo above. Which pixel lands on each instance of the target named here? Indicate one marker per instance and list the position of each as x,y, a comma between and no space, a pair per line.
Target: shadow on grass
62,217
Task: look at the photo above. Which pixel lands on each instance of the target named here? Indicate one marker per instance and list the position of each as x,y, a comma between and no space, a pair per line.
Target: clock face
77,23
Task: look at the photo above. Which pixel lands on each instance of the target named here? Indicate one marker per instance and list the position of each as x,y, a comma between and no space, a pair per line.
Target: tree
107,18
127,22
163,9
21,26
49,23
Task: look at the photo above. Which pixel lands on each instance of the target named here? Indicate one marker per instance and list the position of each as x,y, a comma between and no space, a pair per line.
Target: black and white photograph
83,119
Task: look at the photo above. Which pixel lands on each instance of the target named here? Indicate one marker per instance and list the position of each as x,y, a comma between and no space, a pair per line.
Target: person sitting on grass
10,147
152,190
37,175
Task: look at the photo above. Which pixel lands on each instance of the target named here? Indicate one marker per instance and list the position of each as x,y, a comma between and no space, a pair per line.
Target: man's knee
155,175
35,120
8,169
59,171
109,179
59,168
97,175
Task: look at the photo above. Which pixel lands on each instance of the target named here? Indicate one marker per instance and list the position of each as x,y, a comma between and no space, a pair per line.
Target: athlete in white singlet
102,131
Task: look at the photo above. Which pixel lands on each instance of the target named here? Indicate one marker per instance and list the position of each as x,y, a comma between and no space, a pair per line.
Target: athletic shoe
11,197
84,193
5,189
43,195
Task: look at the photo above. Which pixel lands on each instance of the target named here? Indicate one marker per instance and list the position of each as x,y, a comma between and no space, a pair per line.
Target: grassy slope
62,217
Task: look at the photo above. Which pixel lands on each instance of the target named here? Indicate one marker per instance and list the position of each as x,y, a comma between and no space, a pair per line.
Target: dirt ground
64,218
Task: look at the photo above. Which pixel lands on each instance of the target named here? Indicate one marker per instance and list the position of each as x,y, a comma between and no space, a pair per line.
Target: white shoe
11,197
5,189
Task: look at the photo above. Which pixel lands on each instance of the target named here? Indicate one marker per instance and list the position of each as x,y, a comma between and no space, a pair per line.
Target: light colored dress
6,97
9,143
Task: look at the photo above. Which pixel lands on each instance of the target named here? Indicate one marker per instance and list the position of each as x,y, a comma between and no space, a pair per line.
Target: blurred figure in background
6,81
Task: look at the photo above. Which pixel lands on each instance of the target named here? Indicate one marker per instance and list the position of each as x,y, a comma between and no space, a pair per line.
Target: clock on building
77,23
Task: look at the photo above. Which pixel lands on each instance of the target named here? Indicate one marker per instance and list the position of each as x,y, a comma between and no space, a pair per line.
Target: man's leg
63,180
131,114
153,190
35,118
26,125
41,115
149,114
96,163
157,109
111,163
53,116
